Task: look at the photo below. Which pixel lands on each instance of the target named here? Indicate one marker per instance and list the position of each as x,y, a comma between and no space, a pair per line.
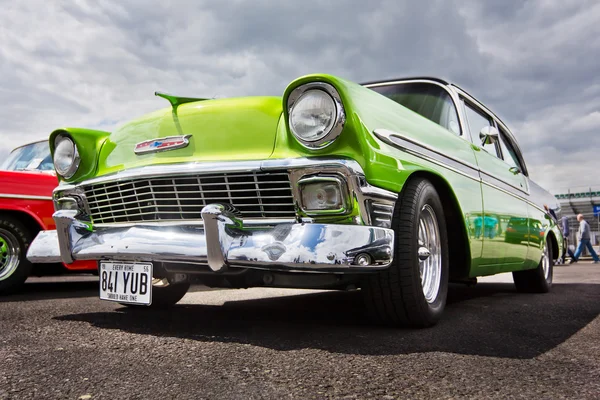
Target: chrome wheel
429,254
10,254
546,262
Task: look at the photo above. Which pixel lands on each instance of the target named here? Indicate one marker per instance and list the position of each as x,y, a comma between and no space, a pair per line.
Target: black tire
14,266
164,297
535,280
395,296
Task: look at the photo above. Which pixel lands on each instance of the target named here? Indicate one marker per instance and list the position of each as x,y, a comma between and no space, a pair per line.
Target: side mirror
488,135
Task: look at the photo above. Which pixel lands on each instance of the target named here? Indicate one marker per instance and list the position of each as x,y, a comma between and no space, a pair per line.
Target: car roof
411,78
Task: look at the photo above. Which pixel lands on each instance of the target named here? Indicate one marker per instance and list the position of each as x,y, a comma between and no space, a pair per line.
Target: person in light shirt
584,240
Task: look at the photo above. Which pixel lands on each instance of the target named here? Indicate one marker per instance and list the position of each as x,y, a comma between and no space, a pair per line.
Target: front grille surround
253,194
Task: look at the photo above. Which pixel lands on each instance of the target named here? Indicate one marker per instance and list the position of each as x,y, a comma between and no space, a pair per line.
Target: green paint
177,100
89,142
3,252
256,128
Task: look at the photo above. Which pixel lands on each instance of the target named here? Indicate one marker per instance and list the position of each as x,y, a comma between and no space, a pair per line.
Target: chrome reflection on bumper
221,242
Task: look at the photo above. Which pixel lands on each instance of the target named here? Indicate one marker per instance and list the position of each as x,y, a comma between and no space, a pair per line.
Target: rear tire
165,296
538,280
14,266
412,292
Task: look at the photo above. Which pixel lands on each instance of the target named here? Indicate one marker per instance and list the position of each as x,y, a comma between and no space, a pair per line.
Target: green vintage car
394,187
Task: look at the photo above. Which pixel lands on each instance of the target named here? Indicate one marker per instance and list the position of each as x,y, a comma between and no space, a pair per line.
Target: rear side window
429,100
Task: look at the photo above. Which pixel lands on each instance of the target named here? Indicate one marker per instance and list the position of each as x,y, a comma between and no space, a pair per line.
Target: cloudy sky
97,64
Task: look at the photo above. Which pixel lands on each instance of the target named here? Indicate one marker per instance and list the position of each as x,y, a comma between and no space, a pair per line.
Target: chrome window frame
479,110
461,93
447,88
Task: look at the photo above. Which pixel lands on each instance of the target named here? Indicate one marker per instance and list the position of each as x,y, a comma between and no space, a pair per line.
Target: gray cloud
97,65
3,155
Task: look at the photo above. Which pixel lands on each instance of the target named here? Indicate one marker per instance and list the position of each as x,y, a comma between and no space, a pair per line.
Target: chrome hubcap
429,254
546,262
9,254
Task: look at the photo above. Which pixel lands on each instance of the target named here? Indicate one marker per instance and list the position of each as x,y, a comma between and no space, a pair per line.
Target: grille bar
255,195
381,214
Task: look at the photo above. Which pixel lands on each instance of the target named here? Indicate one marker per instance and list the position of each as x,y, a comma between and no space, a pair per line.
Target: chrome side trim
23,196
422,150
454,164
499,183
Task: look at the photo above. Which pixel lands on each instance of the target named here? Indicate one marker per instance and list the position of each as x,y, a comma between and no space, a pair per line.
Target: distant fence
591,192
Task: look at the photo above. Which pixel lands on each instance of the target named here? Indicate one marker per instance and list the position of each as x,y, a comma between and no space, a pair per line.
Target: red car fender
27,196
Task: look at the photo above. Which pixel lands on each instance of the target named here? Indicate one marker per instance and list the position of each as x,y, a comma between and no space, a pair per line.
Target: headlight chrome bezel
342,187
69,172
340,117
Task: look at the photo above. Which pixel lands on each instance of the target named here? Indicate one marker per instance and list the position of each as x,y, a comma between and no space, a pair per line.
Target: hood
222,129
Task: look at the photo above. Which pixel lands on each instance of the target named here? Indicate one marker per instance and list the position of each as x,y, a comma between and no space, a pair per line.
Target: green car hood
222,129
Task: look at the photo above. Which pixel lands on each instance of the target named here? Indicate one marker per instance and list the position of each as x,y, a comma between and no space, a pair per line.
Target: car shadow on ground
490,319
59,288
33,291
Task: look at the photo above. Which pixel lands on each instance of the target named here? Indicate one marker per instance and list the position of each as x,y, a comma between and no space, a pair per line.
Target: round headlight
66,157
313,115
316,115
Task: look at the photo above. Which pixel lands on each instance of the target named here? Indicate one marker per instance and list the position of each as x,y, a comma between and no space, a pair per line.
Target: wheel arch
31,222
459,249
554,243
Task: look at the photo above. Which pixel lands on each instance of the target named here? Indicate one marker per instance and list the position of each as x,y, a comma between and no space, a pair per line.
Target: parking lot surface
57,340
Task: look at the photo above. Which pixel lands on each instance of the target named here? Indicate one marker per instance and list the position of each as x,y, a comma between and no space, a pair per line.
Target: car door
504,226
538,220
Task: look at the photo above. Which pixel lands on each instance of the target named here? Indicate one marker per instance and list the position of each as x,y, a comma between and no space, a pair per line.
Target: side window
508,153
429,100
477,121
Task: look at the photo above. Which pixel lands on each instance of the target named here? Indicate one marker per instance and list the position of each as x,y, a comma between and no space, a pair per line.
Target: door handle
514,170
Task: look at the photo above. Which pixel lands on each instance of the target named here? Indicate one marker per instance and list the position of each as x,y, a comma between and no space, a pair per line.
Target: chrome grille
254,194
381,213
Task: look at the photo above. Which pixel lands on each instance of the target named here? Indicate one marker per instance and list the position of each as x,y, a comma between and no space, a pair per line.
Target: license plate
126,282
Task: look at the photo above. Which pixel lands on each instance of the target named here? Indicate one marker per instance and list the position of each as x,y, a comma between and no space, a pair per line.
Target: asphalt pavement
58,341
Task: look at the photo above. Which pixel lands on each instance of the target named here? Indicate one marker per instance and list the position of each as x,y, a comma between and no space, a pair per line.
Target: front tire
14,266
412,291
165,296
538,280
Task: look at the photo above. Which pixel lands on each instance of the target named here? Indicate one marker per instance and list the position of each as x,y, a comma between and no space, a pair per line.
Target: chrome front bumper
221,241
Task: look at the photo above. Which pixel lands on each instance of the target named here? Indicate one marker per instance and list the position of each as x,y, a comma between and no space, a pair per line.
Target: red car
27,179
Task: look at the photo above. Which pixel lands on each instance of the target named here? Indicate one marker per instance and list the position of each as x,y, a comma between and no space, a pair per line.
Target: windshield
34,156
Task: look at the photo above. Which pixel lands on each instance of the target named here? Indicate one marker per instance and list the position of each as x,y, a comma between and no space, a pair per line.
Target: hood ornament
162,144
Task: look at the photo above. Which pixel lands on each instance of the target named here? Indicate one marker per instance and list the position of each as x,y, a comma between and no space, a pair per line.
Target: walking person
584,240
565,231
